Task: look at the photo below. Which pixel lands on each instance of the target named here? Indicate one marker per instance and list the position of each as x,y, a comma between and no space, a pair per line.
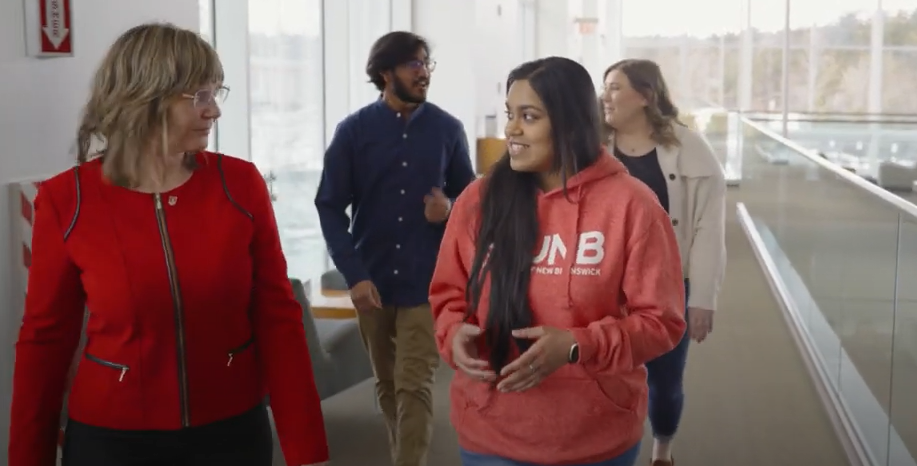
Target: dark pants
628,458
665,377
244,440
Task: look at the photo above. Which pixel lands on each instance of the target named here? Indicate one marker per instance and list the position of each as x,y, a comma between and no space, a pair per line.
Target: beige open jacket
697,207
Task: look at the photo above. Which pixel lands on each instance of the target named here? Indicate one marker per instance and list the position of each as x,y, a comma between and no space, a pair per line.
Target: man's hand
436,206
365,296
700,323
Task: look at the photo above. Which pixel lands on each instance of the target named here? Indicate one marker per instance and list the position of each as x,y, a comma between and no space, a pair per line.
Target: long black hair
508,231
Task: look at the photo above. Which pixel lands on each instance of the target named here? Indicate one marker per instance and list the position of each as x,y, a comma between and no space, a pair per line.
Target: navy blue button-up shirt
382,165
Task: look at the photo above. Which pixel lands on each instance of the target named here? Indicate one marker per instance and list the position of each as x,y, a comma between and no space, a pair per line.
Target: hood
606,166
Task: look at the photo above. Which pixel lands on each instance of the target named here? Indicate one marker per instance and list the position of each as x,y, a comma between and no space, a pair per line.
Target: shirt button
400,219
404,164
397,246
675,222
671,176
402,191
396,271
404,136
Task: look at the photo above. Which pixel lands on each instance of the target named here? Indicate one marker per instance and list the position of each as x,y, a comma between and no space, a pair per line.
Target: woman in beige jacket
643,131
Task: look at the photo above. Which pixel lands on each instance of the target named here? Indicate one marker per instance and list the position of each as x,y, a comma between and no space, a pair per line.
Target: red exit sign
49,25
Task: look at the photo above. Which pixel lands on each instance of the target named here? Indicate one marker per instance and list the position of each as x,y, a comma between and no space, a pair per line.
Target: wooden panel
489,151
332,304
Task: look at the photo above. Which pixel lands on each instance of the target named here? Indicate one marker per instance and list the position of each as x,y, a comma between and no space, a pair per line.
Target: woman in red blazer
175,254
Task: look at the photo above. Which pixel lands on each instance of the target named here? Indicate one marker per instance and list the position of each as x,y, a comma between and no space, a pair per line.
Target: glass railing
842,254
858,143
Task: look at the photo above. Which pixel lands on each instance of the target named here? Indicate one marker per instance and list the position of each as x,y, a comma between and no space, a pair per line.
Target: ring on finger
532,368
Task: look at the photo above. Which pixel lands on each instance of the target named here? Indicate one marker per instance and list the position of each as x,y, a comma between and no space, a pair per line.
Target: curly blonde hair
646,78
144,71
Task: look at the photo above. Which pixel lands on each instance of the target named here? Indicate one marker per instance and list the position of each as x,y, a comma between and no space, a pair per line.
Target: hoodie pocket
555,412
619,392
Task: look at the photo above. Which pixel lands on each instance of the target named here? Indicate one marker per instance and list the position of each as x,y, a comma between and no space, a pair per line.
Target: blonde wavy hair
646,78
143,73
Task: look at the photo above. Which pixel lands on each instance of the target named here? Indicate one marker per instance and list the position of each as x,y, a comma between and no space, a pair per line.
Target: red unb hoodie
608,269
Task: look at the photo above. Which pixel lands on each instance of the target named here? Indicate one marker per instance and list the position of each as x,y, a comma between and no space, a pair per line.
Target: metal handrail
889,198
862,116
777,118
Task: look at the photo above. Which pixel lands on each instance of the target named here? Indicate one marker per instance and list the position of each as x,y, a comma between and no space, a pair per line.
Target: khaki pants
404,357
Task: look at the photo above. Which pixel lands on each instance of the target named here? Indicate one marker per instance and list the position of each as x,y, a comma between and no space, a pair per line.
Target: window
698,56
287,121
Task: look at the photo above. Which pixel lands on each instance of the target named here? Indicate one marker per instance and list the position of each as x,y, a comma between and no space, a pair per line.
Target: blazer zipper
177,311
238,350
116,366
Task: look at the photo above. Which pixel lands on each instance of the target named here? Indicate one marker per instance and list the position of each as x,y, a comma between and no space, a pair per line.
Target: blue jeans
628,458
665,376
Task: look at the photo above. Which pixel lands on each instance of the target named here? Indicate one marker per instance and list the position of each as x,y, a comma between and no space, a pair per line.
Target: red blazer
192,317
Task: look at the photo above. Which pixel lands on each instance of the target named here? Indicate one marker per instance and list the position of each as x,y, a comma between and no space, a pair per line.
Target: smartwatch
573,355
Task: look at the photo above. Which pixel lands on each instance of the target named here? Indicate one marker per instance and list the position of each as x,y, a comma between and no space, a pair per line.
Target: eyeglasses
205,97
417,65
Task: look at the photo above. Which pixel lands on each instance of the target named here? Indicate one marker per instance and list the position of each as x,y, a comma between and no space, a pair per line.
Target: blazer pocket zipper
239,349
120,367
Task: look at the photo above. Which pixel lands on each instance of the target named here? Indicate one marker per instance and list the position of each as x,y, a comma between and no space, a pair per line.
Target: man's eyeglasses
417,65
205,97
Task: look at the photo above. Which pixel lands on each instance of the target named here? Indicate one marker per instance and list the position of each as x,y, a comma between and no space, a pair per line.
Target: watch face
574,354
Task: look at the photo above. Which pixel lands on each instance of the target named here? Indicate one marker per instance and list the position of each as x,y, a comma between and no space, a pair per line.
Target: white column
231,42
446,25
528,18
874,96
814,53
685,93
368,21
746,58
503,38
612,23
785,70
337,72
402,14
876,45
553,28
592,42
721,90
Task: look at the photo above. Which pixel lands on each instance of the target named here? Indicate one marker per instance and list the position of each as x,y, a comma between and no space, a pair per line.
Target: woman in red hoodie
175,254
558,278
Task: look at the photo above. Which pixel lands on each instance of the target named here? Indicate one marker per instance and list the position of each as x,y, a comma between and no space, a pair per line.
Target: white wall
40,101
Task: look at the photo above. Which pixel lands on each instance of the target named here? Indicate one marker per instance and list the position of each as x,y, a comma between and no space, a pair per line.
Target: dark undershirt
646,168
